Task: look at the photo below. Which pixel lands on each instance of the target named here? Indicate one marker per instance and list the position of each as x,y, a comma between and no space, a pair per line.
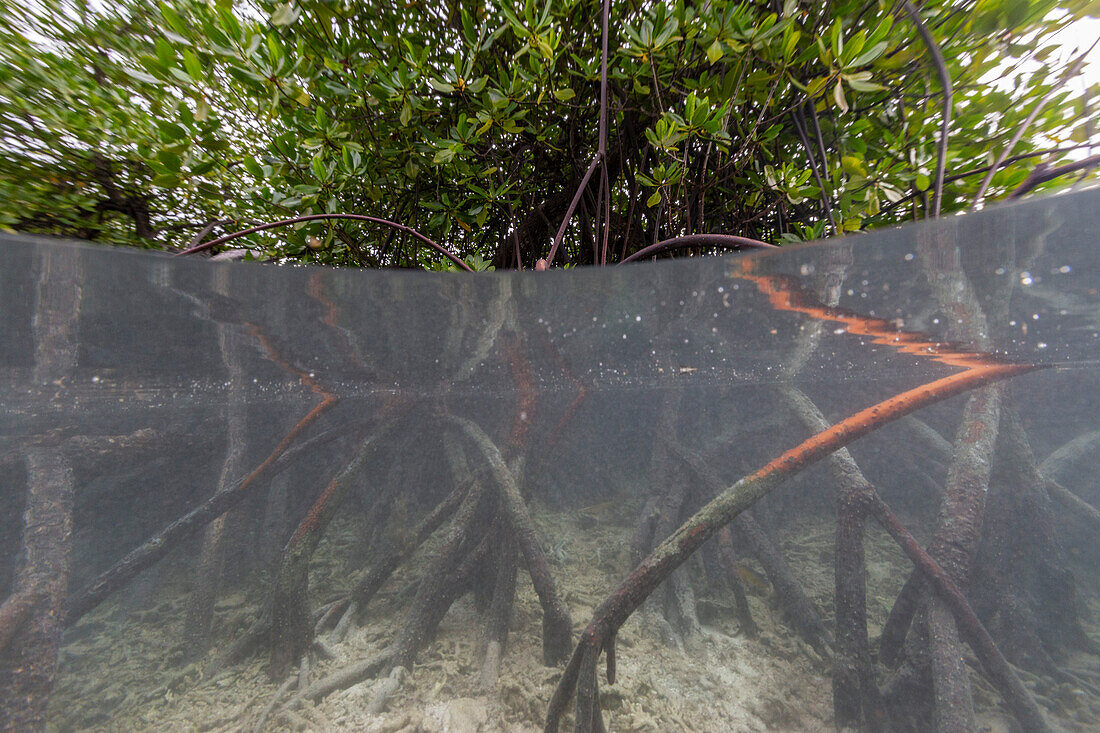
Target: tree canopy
474,123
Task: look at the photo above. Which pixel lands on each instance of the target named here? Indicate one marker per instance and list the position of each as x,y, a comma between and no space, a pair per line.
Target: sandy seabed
125,671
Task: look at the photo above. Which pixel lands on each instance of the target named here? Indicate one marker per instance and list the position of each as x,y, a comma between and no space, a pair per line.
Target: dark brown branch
800,125
945,82
1074,67
601,150
1043,174
207,228
316,217
724,241
982,169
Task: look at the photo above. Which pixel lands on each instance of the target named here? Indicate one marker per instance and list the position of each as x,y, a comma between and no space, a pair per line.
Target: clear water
136,386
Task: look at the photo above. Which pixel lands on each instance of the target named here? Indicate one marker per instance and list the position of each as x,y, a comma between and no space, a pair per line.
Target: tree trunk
29,665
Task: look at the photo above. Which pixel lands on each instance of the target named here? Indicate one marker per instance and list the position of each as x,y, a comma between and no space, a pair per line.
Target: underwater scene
840,486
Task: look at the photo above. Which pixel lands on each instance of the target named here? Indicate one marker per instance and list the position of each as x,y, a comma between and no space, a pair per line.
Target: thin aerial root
386,689
499,617
449,573
857,700
720,511
490,665
342,626
173,533
343,678
279,694
997,668
798,609
641,542
563,693
733,576
1073,503
290,606
321,650
891,642
327,613
242,646
557,625
381,570
303,672
1064,457
295,721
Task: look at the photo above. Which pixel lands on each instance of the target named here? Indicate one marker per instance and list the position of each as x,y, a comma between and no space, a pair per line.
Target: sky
1075,39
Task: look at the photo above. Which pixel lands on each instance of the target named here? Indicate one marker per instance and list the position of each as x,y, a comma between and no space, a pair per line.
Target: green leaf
816,85
852,165
172,131
318,167
791,44
861,85
654,198
165,52
175,22
440,86
922,182
443,156
564,95
253,167
169,160
869,55
203,168
143,77
715,51
191,63
839,98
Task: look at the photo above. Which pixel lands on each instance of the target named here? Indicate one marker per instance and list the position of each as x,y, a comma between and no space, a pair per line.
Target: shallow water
344,406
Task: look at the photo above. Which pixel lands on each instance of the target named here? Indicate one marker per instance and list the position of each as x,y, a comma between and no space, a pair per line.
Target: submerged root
442,585
741,601
798,609
13,613
557,625
674,551
271,705
386,689
500,612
